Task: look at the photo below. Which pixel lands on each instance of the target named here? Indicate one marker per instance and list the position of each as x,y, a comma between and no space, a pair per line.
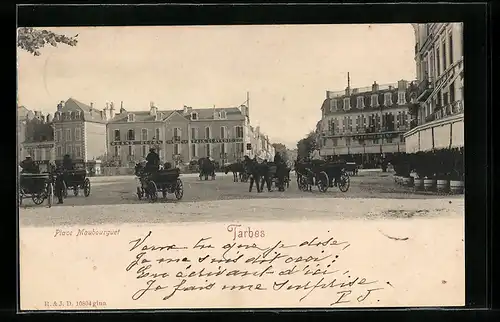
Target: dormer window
388,99
77,115
57,116
374,100
194,116
216,115
130,117
360,104
222,114
159,116
334,105
401,98
347,103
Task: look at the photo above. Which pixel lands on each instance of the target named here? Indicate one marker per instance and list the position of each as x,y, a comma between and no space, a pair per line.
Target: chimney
60,105
122,109
91,105
49,118
112,110
402,85
375,87
152,109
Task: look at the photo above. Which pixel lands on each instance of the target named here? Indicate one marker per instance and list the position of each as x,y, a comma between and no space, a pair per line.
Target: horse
207,168
236,168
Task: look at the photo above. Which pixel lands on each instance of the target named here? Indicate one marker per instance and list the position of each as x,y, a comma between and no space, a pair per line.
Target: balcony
425,88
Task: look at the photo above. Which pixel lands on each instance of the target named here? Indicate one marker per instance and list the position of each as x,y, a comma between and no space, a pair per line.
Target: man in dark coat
67,162
254,174
28,165
59,184
153,160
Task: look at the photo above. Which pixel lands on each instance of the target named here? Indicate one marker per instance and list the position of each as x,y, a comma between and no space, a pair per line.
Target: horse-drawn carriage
75,180
274,175
323,175
39,187
164,181
206,168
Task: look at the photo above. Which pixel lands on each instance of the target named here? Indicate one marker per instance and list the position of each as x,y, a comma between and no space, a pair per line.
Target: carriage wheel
322,182
152,191
344,182
76,191
303,183
86,187
38,198
50,194
179,189
139,193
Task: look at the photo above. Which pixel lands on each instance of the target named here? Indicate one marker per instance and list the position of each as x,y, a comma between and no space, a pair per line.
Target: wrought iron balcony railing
425,88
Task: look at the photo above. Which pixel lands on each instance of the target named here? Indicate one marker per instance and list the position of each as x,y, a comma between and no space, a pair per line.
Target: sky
286,69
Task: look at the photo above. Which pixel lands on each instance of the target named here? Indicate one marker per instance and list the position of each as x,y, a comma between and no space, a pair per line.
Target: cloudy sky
286,69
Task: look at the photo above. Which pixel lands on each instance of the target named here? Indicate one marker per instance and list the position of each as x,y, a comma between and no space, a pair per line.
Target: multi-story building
259,144
130,135
180,135
440,92
36,136
80,131
365,123
22,117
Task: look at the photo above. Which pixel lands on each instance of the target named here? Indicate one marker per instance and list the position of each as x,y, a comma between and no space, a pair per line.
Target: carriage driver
67,162
153,160
28,165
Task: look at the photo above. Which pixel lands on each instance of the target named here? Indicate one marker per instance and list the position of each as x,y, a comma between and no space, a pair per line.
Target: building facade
259,144
80,131
36,136
440,93
183,135
365,123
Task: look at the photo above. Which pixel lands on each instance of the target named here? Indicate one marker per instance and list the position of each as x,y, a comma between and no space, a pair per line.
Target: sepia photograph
241,166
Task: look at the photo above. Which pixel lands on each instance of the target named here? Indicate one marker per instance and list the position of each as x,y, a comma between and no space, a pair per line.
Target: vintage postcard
256,166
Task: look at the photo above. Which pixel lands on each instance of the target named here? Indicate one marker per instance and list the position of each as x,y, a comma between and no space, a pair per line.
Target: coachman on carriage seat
153,160
29,166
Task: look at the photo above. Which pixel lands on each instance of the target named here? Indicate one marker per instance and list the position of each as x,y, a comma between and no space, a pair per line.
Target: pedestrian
59,186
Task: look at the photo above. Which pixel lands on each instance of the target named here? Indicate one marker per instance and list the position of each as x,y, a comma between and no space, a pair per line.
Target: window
176,149
388,140
57,116
157,134
177,134
77,115
334,105
194,133
375,141
239,132
402,138
401,98
207,132
222,132
131,135
445,61
78,151
117,135
207,150
69,150
117,152
78,134
360,102
59,151
222,114
130,150
349,122
194,116
144,150
347,141
388,99
374,100
223,149
347,103
438,62
57,135
68,134
144,134
452,92
194,151
361,141
334,142
450,46
130,118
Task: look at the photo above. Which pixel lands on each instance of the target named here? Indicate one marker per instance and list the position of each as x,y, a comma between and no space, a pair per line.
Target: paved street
208,200
122,190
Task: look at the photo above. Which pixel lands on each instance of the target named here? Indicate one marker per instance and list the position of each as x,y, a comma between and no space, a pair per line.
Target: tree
31,40
306,145
281,148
